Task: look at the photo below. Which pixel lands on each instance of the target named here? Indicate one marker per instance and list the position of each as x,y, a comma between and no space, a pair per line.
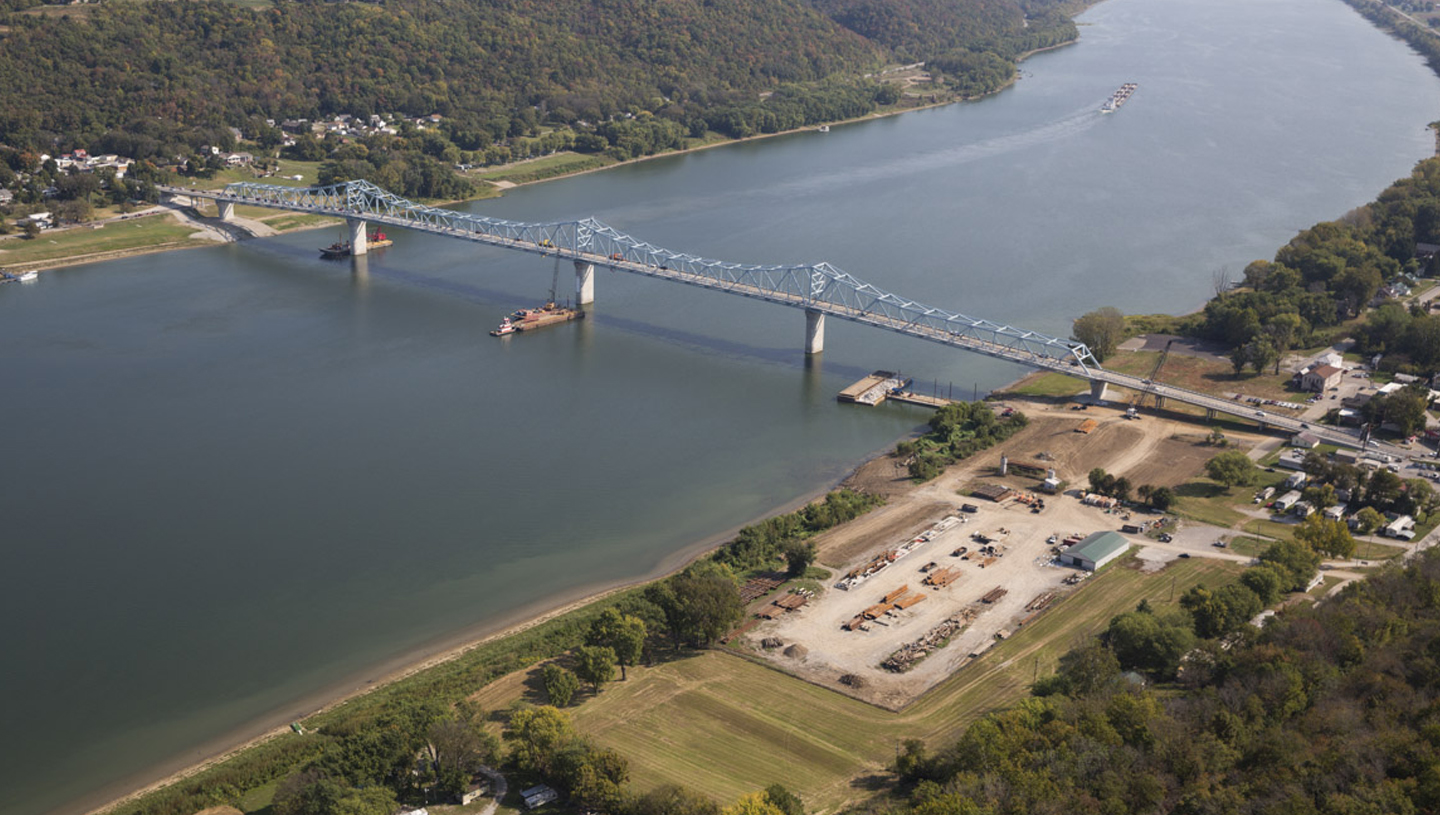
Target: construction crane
1132,412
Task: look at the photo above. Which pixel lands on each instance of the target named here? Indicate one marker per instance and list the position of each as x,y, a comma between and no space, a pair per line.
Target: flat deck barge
883,385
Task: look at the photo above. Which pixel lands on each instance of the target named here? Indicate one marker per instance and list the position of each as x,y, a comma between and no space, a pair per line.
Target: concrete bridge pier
1210,414
584,283
1159,402
1097,390
359,237
226,208
814,331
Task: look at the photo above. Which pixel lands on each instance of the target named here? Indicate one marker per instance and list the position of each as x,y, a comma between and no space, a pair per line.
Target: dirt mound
853,681
797,651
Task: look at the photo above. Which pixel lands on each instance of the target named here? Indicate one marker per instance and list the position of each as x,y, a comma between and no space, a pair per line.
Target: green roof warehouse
1096,550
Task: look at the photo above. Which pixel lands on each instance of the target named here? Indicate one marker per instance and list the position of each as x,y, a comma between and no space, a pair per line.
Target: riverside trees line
360,757
160,80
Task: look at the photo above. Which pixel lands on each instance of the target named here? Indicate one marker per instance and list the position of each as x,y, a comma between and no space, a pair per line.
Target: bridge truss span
821,287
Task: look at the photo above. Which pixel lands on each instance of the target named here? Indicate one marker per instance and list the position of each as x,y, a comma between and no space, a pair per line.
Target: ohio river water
237,476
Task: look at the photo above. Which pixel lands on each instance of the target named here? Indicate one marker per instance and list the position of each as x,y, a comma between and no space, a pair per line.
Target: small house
1302,509
1289,499
538,796
474,792
1402,528
1334,513
1291,460
1304,441
1296,481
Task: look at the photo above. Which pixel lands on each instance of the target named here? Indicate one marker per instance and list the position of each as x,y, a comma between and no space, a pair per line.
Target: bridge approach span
819,289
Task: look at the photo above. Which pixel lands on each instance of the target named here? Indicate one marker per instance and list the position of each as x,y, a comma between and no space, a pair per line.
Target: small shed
1304,440
1096,550
995,492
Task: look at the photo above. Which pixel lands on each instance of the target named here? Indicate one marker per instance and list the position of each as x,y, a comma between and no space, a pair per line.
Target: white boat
823,128
29,277
506,327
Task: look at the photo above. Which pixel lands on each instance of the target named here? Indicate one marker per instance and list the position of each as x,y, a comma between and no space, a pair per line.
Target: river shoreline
100,257
414,661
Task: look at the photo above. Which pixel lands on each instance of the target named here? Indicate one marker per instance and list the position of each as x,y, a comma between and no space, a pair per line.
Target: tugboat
506,327
342,249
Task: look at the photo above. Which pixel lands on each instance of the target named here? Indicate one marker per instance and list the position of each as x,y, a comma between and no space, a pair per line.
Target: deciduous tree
560,684
1101,330
1231,468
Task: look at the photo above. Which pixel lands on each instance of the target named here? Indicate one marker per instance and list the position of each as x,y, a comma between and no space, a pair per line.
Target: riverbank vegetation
443,84
1326,710
371,743
957,431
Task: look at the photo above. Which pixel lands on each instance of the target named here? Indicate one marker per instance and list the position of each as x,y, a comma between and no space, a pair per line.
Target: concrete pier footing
359,237
226,209
814,331
584,283
1097,390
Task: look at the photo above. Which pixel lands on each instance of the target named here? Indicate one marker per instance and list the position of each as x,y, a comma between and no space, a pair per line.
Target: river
240,477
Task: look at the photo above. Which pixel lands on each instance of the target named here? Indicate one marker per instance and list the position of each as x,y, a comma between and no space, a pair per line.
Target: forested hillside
178,73
1328,710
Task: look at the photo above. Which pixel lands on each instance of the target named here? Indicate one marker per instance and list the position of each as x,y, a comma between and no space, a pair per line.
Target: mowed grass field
726,726
149,232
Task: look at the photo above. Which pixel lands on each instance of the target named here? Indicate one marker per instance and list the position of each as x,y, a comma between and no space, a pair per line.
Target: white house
1402,527
1289,499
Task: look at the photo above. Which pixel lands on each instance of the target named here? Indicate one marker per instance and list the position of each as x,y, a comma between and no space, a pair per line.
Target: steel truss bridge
819,289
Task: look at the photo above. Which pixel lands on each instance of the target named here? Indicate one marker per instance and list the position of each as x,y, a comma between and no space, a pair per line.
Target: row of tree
758,546
957,431
1161,498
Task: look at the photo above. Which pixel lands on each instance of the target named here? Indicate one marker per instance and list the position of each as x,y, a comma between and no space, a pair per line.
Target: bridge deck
818,288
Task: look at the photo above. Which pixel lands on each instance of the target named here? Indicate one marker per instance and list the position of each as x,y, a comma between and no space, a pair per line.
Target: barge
342,249
1119,97
529,319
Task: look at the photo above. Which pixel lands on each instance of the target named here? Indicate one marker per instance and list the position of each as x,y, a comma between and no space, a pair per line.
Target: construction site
930,582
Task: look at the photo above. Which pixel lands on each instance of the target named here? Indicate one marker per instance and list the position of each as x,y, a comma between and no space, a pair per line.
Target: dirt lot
1151,450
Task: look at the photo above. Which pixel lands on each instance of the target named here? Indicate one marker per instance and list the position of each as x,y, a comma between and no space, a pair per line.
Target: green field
148,232
547,167
725,726
1048,384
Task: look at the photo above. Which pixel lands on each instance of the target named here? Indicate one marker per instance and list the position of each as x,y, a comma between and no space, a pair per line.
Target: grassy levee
725,726
151,231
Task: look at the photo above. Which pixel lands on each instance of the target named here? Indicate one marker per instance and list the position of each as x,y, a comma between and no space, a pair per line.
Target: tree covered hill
495,68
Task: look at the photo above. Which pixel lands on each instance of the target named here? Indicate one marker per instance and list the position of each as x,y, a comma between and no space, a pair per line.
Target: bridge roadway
882,310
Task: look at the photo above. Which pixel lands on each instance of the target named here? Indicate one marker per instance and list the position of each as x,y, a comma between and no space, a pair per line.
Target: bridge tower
359,237
814,331
1097,390
584,283
226,209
